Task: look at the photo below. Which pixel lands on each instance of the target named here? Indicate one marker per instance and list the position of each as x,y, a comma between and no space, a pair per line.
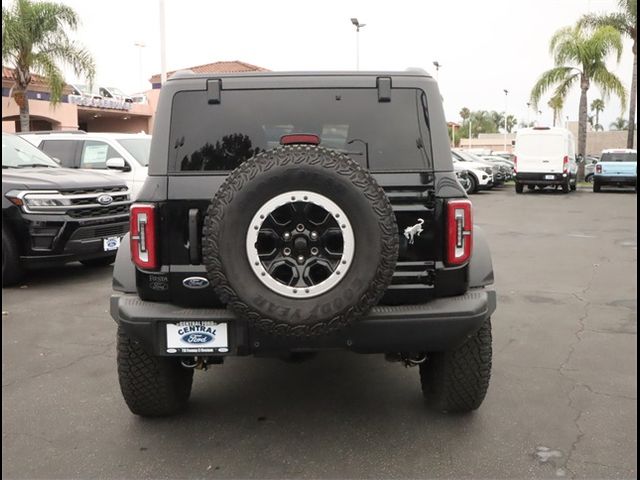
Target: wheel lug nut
300,259
300,227
286,236
314,235
314,251
287,251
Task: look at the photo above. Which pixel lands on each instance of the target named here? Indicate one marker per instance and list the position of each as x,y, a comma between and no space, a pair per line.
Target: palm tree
597,106
556,103
580,57
621,123
624,21
35,41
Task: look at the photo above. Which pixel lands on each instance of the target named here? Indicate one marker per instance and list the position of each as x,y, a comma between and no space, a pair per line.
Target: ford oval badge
105,199
198,337
195,282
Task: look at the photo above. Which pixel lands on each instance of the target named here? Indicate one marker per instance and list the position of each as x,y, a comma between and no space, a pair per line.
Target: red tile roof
9,74
216,67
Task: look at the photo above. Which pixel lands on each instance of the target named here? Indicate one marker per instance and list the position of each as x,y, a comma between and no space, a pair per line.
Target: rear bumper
615,179
435,326
541,178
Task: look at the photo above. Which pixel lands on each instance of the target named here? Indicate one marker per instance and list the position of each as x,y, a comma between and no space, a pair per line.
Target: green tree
621,123
35,41
512,121
579,57
597,106
556,103
624,21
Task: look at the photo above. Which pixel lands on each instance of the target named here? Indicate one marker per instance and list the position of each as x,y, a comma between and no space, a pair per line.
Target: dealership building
93,114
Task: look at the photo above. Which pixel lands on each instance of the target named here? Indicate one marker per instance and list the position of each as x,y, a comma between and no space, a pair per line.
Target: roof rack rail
43,132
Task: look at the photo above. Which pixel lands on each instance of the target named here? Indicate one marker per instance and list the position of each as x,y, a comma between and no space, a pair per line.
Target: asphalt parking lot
562,400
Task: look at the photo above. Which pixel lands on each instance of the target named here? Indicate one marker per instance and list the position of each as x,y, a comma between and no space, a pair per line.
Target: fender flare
124,271
480,266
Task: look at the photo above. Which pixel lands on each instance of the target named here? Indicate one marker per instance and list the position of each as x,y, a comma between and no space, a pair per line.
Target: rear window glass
220,137
619,157
62,150
138,148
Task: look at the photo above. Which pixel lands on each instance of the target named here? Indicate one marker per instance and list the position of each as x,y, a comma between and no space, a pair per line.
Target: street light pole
163,46
469,131
140,46
528,109
437,65
358,26
506,92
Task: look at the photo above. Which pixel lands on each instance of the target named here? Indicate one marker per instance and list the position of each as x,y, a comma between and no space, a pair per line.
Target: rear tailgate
540,153
622,169
619,163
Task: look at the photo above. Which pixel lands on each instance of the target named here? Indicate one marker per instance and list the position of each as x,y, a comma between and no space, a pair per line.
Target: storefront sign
112,103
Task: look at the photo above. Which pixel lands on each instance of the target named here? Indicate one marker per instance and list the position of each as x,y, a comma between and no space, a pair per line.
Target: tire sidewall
229,268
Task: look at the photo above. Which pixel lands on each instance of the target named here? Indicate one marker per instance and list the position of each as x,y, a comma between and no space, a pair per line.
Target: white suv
126,154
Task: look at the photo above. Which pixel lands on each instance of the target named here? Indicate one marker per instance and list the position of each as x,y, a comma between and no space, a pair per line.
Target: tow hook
199,363
407,359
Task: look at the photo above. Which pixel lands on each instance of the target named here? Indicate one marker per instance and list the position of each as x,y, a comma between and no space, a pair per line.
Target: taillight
143,236
300,138
565,164
598,168
459,231
515,164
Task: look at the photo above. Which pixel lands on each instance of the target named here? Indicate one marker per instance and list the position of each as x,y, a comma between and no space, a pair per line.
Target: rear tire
99,262
573,186
566,186
12,271
151,386
519,187
596,185
457,380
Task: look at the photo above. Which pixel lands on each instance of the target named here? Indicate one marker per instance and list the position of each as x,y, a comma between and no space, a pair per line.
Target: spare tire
300,241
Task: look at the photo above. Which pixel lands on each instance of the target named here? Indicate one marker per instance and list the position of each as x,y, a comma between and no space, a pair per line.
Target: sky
484,47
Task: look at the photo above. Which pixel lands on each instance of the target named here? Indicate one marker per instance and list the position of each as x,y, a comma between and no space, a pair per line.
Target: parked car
124,154
83,90
617,167
53,215
251,241
507,167
545,156
478,177
463,177
485,180
115,94
498,174
589,167
506,155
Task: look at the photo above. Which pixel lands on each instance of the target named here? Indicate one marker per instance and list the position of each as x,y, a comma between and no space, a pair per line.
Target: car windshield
138,148
18,153
116,91
619,157
469,157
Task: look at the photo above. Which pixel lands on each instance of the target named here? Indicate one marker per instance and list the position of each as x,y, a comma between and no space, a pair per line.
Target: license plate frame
195,337
110,244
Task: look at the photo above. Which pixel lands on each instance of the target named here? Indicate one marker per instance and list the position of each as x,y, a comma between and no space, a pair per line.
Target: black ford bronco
289,213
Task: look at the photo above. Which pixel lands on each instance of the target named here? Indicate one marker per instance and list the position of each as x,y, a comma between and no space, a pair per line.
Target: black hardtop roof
411,72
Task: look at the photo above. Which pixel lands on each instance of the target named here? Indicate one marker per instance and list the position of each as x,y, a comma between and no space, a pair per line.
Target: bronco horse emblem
414,231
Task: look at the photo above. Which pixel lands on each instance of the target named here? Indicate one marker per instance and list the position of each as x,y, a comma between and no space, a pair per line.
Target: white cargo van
545,156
